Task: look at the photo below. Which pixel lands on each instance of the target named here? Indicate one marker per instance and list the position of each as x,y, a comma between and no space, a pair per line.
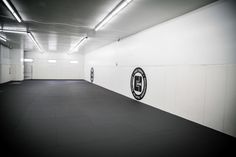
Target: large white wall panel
11,64
5,65
191,92
230,102
5,73
205,36
215,97
190,63
170,89
17,66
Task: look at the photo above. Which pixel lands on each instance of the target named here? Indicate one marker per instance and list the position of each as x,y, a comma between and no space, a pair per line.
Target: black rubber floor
76,118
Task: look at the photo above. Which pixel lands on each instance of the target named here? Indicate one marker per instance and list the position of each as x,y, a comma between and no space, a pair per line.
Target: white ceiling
59,24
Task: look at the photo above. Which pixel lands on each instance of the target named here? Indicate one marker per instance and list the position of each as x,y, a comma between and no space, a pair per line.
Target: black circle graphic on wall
138,83
92,74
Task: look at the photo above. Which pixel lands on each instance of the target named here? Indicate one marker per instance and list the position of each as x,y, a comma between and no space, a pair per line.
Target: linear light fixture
28,60
3,39
79,44
13,31
18,18
74,62
114,12
35,42
52,61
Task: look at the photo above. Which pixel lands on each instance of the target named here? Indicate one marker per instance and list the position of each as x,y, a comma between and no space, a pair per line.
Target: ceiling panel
59,24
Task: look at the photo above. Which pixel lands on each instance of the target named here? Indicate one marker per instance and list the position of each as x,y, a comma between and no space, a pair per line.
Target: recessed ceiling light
73,62
52,61
28,60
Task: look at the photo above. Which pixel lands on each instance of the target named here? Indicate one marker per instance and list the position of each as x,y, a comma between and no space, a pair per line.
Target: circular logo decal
92,74
138,83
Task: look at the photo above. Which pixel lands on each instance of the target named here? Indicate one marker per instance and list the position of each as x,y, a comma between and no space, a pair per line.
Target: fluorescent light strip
114,12
79,44
52,61
3,39
28,60
35,42
12,11
13,31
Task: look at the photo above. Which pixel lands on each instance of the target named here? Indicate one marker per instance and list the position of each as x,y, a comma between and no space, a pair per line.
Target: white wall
17,66
62,69
190,63
5,64
11,65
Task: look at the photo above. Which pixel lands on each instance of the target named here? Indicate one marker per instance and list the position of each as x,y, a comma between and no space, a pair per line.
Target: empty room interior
118,78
